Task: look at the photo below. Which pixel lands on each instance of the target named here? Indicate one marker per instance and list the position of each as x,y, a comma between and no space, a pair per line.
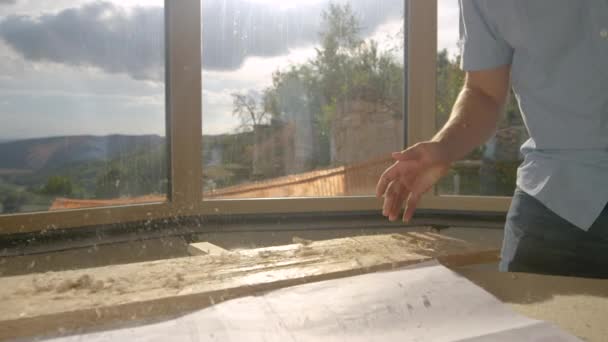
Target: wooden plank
55,303
205,248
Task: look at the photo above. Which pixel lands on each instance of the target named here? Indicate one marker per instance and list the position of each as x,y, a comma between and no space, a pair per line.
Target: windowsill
129,246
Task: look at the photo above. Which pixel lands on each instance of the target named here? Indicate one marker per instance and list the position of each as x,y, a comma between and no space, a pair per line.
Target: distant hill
103,167
49,153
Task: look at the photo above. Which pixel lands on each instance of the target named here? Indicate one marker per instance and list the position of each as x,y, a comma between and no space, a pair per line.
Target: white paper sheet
425,303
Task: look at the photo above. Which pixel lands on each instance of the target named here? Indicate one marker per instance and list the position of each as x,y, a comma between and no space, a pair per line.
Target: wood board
73,301
424,302
205,248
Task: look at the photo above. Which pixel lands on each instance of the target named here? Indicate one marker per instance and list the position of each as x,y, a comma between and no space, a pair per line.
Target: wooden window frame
422,105
184,136
183,122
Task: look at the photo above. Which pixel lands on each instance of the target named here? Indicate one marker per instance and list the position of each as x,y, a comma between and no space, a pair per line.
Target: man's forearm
473,120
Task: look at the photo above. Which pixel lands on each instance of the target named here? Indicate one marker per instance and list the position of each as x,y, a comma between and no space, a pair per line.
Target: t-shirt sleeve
482,45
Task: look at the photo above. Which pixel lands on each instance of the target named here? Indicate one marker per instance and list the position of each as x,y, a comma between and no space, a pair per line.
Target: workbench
78,302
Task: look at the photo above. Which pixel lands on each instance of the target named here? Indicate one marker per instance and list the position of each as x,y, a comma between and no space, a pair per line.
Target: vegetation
133,173
58,186
12,202
246,108
345,68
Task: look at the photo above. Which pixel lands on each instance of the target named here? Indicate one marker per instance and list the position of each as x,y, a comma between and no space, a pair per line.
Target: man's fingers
410,206
388,203
389,199
398,204
388,176
383,184
399,170
393,200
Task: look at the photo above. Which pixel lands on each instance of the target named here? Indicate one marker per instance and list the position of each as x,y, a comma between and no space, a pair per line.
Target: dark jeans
539,241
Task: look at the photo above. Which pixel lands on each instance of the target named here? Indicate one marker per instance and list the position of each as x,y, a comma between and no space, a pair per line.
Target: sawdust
265,254
425,245
41,286
301,241
306,251
225,258
49,283
176,282
84,282
400,237
406,241
362,250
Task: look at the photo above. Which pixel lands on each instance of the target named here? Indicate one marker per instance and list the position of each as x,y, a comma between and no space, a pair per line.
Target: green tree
58,186
13,202
450,79
345,68
108,183
339,42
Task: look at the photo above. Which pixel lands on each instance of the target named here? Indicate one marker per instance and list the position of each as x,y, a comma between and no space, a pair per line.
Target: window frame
421,39
184,120
422,107
183,131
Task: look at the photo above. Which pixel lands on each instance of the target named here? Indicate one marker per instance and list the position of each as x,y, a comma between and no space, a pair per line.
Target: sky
70,67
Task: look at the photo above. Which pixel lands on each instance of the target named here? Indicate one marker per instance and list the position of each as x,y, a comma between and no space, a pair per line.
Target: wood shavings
425,245
84,282
306,251
41,286
265,254
175,282
362,250
301,241
97,286
400,237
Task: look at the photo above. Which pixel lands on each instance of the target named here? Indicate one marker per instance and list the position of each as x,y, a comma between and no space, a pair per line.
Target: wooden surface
205,248
70,301
421,303
576,305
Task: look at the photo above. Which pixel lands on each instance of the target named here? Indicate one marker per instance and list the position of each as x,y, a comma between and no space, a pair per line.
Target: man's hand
473,120
415,171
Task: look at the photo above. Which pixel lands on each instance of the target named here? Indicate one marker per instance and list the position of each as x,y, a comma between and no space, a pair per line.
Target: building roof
340,181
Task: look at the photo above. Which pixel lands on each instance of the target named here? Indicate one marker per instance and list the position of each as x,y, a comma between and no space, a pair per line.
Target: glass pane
300,98
82,104
489,170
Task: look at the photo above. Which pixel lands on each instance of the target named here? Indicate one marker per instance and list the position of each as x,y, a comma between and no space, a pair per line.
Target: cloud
117,40
8,2
234,30
97,34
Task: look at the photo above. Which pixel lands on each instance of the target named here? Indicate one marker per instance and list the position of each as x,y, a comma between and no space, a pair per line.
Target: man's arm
473,120
476,112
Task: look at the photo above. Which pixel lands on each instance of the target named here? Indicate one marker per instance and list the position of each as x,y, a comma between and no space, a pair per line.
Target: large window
489,170
296,108
82,104
300,99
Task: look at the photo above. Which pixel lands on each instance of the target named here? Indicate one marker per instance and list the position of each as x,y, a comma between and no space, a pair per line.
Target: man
554,54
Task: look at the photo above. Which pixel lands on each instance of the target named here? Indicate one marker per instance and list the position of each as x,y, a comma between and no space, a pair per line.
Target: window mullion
183,39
